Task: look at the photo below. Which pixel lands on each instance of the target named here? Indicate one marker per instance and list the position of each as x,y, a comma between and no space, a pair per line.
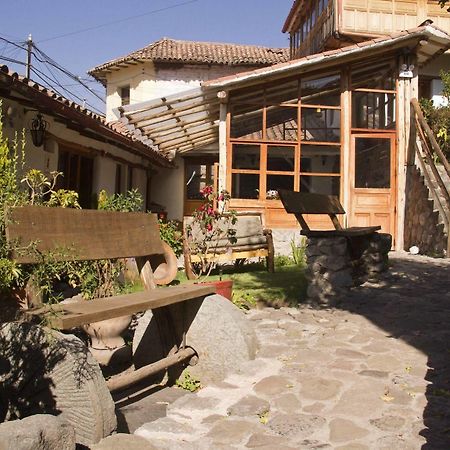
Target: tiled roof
46,99
383,41
171,50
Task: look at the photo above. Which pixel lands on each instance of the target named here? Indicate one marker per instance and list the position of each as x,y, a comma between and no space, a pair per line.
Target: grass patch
285,287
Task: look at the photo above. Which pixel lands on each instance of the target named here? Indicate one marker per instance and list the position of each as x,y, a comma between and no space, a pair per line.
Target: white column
222,146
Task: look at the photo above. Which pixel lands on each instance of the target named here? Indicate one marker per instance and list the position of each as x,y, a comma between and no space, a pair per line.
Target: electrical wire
83,30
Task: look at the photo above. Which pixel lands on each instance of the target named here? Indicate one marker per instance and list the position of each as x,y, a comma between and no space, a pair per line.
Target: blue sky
235,21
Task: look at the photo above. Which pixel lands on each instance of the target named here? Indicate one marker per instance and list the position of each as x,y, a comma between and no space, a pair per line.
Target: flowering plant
211,230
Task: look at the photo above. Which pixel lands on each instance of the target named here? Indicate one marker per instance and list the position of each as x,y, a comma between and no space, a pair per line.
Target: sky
256,22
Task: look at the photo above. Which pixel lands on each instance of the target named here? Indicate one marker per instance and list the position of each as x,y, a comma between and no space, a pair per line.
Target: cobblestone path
372,373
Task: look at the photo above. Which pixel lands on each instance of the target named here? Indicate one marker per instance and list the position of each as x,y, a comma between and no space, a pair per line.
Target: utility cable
83,30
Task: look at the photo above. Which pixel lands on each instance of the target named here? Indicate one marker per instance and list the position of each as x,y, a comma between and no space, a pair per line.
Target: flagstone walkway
372,373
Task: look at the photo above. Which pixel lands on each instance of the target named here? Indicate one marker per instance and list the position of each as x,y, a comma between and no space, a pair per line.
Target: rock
342,430
249,406
374,373
231,431
54,373
217,330
295,425
389,423
124,441
38,432
272,385
320,388
258,440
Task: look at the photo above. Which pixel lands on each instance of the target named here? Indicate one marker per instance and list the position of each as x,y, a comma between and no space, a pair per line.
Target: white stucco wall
167,189
148,80
432,70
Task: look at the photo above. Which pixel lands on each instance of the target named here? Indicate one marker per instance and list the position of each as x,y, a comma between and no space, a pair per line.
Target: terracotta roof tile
97,120
171,50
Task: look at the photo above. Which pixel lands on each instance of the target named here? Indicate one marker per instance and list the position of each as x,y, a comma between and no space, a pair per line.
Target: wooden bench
337,258
300,203
82,235
252,241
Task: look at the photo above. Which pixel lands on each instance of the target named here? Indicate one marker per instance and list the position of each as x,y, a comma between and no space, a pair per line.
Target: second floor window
124,93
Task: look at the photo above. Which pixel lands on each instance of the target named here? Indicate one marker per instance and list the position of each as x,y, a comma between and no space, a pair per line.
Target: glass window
376,76
246,121
280,158
275,182
198,176
245,185
321,125
317,184
322,91
281,122
124,93
372,162
320,159
373,110
246,156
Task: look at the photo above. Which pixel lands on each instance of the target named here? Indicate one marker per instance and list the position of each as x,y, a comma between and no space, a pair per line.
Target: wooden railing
427,151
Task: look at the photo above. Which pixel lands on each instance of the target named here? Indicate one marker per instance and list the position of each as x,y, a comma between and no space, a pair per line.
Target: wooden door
373,180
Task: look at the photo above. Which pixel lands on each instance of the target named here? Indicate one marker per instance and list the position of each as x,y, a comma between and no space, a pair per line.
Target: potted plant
208,236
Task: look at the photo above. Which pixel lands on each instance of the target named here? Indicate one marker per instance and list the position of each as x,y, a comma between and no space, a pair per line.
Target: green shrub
299,253
131,201
171,233
283,260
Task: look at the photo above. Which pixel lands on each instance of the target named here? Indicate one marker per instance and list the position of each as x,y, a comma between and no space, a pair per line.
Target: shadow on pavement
412,303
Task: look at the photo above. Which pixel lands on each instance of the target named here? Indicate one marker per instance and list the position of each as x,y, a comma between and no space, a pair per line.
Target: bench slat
347,232
70,315
80,235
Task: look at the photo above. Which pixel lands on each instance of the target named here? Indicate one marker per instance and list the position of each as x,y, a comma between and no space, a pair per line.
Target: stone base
331,270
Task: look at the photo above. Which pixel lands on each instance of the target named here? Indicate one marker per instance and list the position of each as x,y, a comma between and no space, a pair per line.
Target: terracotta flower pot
223,287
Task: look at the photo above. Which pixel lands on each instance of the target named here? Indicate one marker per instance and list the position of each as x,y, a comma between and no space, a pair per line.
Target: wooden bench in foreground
337,258
83,235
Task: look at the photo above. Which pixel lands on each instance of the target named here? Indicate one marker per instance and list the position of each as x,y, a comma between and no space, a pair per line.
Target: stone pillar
329,269
374,259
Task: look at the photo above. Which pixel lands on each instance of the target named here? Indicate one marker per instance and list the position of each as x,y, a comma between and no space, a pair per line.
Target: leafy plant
283,260
438,117
299,253
211,227
170,232
188,382
131,201
244,301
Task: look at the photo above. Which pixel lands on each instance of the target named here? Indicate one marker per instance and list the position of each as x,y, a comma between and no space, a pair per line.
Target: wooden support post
223,157
346,124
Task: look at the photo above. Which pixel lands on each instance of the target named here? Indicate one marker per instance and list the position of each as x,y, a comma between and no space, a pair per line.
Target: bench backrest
249,230
299,203
80,235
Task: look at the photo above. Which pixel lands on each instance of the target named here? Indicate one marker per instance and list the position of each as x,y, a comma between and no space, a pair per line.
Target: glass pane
246,121
275,182
321,125
245,186
375,75
285,93
281,123
246,156
320,159
280,158
320,184
373,110
372,163
322,91
198,176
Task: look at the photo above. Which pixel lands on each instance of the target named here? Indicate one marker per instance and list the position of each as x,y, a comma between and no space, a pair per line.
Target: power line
83,30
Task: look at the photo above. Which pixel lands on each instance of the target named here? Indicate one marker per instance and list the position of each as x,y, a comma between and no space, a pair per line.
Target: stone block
38,432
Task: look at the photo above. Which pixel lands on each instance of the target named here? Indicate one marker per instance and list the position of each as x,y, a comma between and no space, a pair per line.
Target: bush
170,232
438,118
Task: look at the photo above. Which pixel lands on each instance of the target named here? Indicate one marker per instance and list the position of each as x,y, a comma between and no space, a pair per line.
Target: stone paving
372,373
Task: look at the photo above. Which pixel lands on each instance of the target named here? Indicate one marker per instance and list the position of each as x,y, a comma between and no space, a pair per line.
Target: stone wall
422,223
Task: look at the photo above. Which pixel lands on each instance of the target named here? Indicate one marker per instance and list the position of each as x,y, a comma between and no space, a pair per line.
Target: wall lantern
37,130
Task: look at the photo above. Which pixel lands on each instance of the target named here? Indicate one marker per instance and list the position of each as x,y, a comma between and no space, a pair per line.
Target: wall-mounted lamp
37,130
